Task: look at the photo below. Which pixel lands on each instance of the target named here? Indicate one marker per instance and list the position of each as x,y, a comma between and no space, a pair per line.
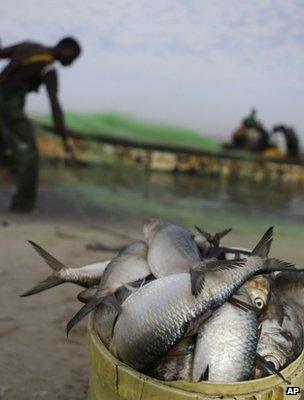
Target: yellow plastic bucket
110,379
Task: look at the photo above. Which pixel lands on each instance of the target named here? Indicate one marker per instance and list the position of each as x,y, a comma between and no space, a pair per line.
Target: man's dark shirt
30,65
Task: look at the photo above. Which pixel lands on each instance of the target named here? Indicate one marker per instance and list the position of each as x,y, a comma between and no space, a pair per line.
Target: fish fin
205,234
89,307
192,327
112,302
87,294
197,276
205,375
260,332
222,265
114,322
54,279
241,304
263,247
86,309
219,235
48,283
274,265
177,353
48,258
268,367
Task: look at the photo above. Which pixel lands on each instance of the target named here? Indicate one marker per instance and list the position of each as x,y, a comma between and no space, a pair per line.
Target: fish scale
155,317
226,344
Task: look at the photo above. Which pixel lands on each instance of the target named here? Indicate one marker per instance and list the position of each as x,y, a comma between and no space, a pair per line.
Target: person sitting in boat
251,120
251,135
292,146
30,65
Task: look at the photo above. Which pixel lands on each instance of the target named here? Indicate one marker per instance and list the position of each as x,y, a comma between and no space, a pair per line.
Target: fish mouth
277,362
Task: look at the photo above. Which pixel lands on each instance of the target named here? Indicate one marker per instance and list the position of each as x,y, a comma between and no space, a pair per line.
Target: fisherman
292,141
251,120
30,65
251,135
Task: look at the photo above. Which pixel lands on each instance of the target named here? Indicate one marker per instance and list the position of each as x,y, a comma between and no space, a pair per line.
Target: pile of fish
179,305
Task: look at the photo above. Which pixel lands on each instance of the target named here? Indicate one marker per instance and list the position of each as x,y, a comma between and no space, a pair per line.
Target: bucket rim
268,383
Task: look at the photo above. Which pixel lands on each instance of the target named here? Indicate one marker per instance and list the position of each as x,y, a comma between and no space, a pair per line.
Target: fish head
277,360
274,348
258,289
151,227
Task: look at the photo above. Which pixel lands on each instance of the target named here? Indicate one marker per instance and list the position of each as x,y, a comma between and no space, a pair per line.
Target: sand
37,360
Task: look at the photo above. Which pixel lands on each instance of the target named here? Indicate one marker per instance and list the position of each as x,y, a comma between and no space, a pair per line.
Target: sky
196,63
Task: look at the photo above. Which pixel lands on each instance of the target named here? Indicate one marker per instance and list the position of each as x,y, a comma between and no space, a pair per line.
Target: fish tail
213,238
263,247
48,283
53,280
205,234
110,299
219,235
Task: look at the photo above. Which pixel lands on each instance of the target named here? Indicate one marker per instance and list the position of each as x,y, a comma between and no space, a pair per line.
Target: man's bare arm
7,52
51,82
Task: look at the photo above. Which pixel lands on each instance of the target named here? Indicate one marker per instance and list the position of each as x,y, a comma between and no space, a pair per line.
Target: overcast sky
198,63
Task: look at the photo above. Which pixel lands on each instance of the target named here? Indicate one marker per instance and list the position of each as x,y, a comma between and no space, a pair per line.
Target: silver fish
177,363
226,344
160,314
128,266
281,337
86,276
291,286
171,248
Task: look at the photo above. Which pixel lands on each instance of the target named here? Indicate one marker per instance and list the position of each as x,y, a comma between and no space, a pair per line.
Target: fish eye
273,362
259,303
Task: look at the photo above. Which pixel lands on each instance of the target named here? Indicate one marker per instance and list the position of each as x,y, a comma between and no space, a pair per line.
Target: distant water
271,199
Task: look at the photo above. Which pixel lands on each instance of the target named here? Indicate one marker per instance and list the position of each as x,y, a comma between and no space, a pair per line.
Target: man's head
253,113
67,50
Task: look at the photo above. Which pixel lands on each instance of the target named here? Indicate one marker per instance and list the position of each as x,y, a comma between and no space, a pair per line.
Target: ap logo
292,390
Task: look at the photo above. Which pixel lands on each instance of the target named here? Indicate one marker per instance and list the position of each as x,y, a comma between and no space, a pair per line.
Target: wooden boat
91,148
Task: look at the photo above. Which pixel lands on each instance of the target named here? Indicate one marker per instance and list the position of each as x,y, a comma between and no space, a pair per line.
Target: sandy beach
37,360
